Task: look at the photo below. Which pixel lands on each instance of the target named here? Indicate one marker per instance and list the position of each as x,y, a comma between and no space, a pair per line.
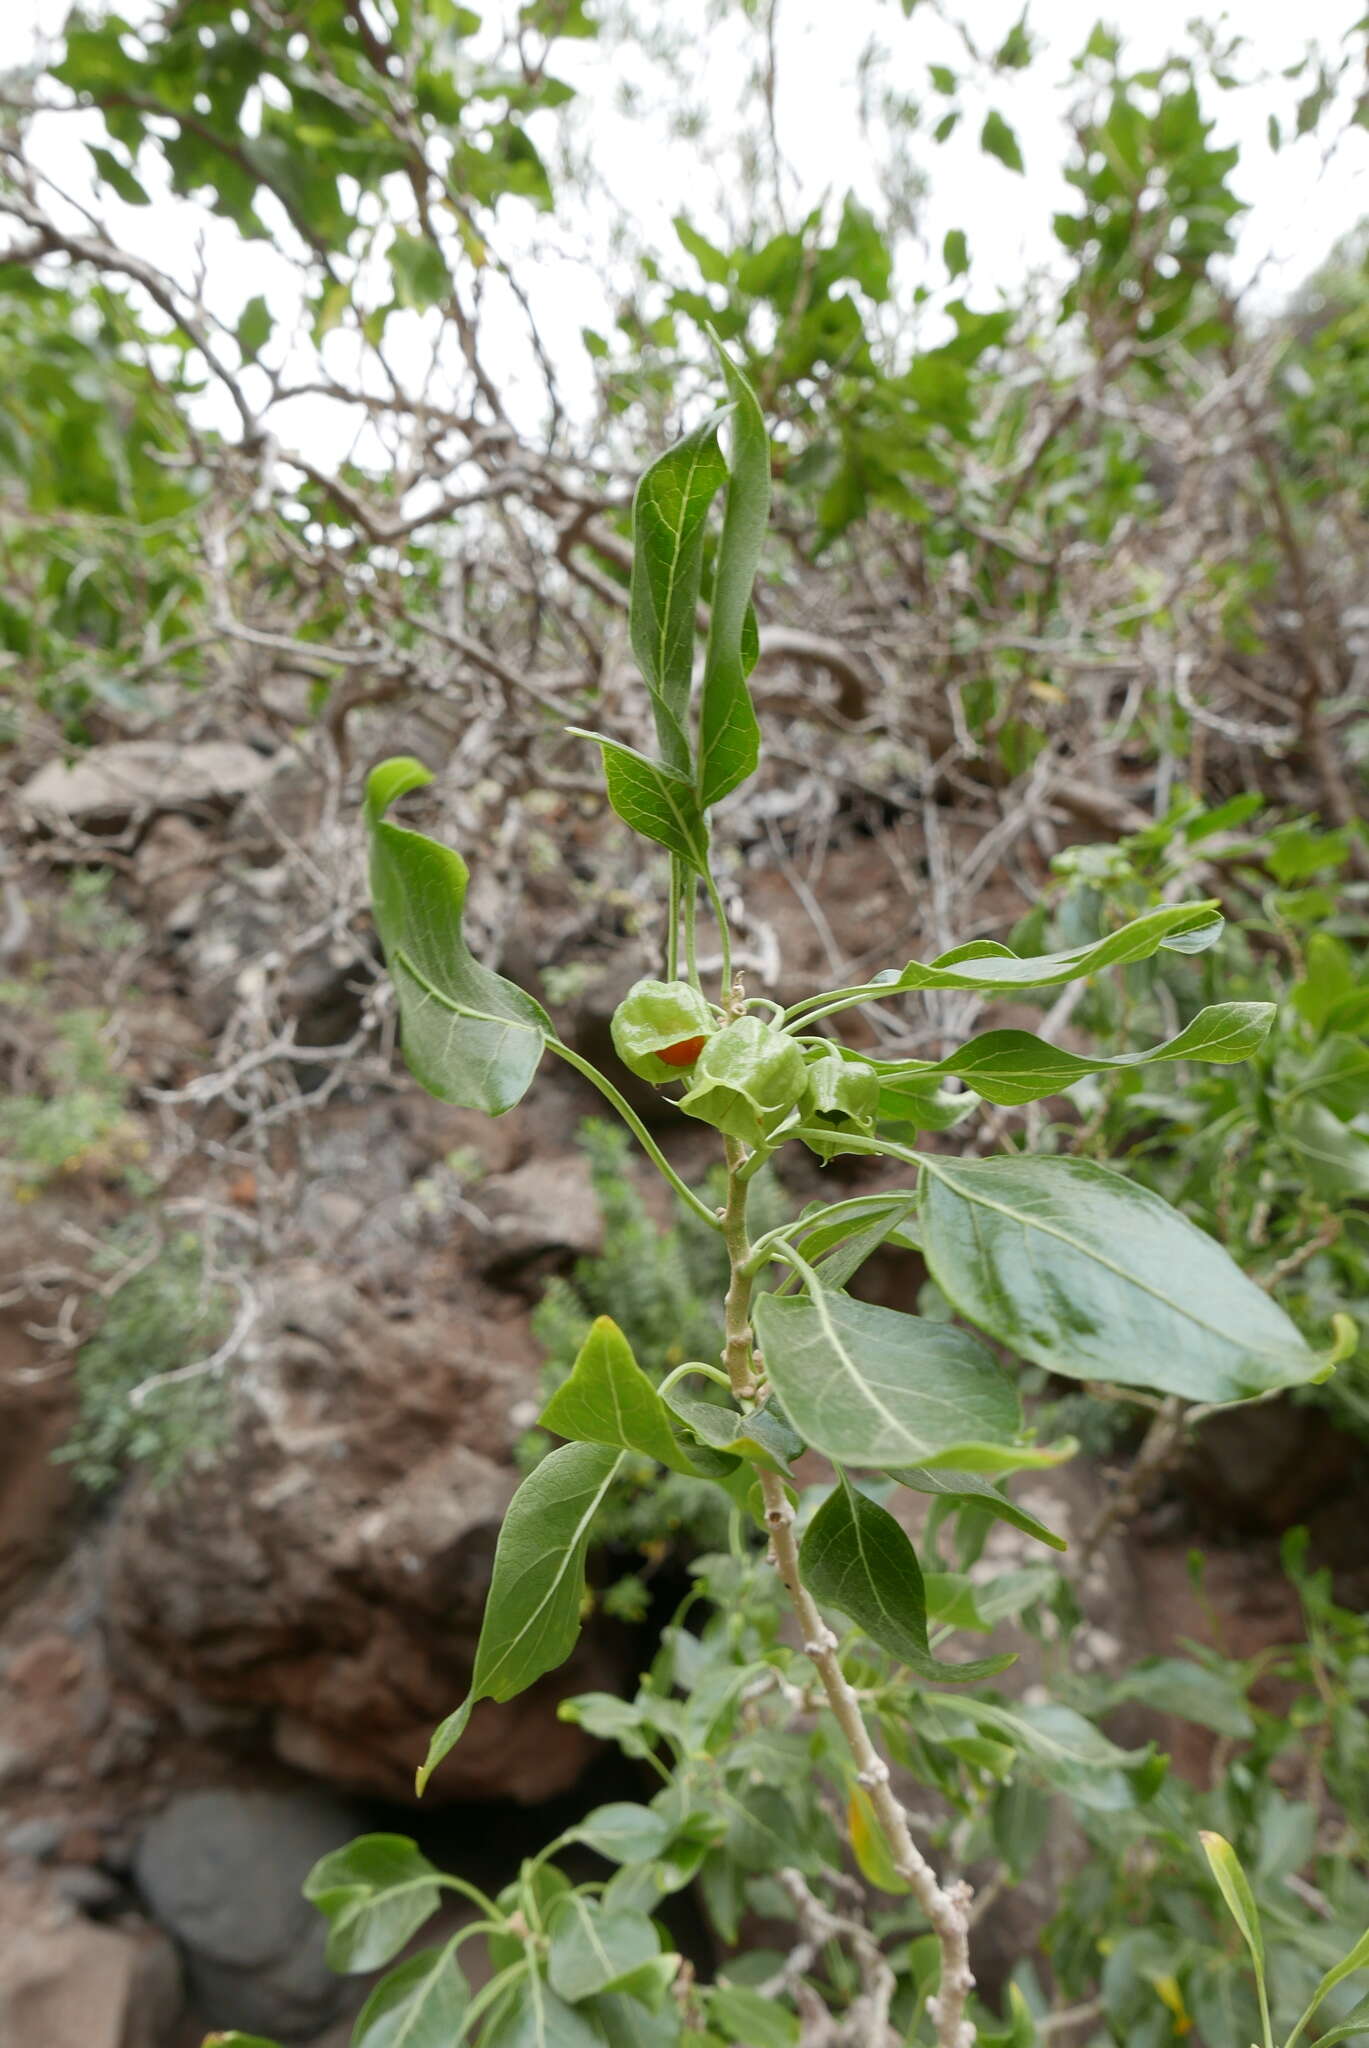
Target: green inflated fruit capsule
842,1096
747,1079
660,1028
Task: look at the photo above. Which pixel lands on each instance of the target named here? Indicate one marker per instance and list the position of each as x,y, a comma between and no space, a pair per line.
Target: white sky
1299,204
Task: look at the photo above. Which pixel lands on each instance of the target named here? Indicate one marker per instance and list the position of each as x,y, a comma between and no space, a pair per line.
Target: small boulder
221,1871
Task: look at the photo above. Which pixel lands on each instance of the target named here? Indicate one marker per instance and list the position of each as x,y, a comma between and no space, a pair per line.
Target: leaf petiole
638,1129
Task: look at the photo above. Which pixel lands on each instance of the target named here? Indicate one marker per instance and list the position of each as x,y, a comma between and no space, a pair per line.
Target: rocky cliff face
326,1579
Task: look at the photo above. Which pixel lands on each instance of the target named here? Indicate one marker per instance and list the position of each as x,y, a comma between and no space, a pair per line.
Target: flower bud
842,1096
748,1078
660,1028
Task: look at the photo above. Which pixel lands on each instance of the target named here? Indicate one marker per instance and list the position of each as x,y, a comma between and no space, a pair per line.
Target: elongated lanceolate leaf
868,1386
1068,1750
729,736
984,964
968,1489
668,515
532,1615
654,800
469,1036
1017,1066
1083,1271
1356,1959
1234,1887
608,1399
419,2005
855,1557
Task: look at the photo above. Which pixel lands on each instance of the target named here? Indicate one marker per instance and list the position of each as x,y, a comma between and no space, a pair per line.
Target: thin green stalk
710,1372
672,937
724,934
489,1994
858,1207
691,900
638,1130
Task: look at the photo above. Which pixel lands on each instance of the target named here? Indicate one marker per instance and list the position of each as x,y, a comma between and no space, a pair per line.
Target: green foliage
80,1117
96,510
1265,1157
1062,1261
168,1313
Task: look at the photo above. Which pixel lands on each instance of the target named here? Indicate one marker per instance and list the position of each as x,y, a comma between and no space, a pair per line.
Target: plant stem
691,904
947,1907
672,937
638,1130
724,935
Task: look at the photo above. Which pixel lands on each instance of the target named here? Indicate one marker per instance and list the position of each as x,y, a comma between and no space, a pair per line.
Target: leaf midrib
1026,1222
490,1677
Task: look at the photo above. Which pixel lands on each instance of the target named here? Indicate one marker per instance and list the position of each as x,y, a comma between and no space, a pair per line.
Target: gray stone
222,1872
139,776
16,1764
34,1841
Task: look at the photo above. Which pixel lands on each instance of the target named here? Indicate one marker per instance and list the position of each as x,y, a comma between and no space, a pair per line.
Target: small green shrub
80,1113
167,1314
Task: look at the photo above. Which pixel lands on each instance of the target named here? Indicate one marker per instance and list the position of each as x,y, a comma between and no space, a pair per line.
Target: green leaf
729,736
855,1557
593,1950
375,1894
1357,1959
1354,2029
956,1600
996,138
420,2005
1016,1066
469,1036
968,1489
1240,1903
1176,1685
746,2016
656,801
714,266
421,277
869,1386
625,1832
955,252
537,2018
120,180
1334,1156
532,1615
762,1438
1085,1272
608,1399
984,964
668,514
1066,1749
254,328
624,2023
237,2040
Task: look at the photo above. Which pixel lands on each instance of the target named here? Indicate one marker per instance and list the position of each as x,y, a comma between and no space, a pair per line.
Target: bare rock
546,1207
108,785
222,1872
67,1983
330,1571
